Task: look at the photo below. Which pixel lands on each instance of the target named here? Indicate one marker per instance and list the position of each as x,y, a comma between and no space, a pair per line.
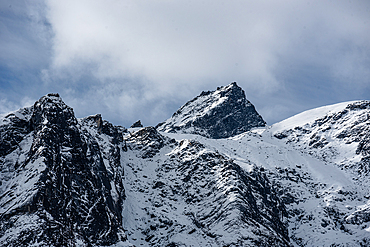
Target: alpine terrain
213,174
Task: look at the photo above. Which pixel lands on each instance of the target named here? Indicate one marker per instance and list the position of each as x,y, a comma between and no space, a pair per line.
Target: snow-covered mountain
222,113
339,134
204,177
61,178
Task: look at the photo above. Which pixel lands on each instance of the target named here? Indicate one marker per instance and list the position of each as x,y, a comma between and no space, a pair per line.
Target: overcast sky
131,60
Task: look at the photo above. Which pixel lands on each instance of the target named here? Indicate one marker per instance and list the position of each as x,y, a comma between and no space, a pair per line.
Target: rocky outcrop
222,113
137,124
192,196
65,194
337,136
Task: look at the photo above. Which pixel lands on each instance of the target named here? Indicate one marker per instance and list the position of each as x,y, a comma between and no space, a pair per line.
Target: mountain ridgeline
55,186
233,182
222,113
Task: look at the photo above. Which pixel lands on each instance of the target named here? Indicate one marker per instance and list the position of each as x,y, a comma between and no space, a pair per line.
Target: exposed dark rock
72,196
360,216
222,113
137,124
149,141
15,127
220,197
350,125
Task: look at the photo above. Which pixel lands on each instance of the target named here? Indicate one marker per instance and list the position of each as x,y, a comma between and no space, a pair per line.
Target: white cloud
132,56
163,40
7,106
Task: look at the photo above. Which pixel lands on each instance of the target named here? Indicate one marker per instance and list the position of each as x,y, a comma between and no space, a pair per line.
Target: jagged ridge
84,182
68,192
222,113
185,194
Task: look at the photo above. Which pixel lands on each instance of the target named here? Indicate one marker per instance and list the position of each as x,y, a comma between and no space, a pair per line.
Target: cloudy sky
136,59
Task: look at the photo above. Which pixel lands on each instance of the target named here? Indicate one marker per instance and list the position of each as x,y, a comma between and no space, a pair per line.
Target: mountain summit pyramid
222,113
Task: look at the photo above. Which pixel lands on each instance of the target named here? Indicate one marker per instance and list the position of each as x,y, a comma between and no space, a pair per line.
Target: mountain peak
51,110
222,113
62,173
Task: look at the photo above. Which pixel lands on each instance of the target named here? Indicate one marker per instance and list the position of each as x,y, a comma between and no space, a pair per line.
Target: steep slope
222,113
319,197
56,189
316,163
181,193
338,134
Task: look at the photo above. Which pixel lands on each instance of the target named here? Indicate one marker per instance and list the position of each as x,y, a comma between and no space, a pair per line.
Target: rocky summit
204,177
59,187
222,113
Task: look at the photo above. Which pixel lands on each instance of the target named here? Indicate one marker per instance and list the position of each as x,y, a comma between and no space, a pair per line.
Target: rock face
222,113
59,187
137,124
183,194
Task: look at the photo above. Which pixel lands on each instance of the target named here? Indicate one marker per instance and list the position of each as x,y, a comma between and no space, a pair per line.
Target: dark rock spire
222,113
